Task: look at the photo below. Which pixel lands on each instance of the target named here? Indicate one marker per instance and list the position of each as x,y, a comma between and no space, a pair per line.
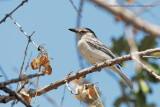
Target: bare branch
92,69
39,48
7,15
78,22
132,45
16,95
21,29
25,54
21,79
84,72
5,76
64,92
129,17
155,57
148,69
75,8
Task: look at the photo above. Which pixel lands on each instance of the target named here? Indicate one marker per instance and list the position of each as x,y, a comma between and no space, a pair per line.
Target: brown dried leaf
130,1
35,64
92,92
26,96
48,70
44,61
24,81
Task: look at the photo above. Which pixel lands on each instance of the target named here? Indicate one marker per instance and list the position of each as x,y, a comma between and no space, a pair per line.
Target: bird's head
83,32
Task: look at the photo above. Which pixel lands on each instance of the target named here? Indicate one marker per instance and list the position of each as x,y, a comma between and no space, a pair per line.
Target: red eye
83,31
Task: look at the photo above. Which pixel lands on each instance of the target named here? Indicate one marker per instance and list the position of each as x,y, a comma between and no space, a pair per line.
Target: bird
95,52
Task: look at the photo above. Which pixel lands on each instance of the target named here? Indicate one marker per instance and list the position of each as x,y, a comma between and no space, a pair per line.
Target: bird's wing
99,45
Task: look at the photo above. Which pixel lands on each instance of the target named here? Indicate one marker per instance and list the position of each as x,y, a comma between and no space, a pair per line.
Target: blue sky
51,20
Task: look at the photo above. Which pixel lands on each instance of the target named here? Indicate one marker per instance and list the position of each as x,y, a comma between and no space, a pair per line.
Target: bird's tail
117,70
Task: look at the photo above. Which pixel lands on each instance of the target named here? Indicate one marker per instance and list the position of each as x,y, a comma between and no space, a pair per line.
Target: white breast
91,54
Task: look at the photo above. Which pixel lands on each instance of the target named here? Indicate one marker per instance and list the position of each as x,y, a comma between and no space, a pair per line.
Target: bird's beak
73,30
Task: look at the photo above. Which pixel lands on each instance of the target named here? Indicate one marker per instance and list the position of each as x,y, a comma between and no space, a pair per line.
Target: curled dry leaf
24,81
92,106
48,70
86,93
44,61
130,1
35,64
26,96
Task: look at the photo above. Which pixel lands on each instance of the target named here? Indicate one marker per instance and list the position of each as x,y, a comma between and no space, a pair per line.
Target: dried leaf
92,106
86,93
91,92
26,96
24,81
44,61
48,70
130,1
35,64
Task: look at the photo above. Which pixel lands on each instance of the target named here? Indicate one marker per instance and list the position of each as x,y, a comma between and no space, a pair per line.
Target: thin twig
80,58
39,48
5,76
94,87
25,54
72,92
148,69
75,8
37,85
132,45
28,63
21,79
155,57
21,29
7,15
64,91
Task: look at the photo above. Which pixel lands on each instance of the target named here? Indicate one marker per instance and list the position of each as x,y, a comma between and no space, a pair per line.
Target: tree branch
129,17
84,72
16,95
2,84
92,69
7,15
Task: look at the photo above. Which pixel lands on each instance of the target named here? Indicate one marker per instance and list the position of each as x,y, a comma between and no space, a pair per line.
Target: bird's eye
83,31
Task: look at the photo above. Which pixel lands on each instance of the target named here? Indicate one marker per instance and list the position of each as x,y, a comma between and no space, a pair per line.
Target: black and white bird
95,52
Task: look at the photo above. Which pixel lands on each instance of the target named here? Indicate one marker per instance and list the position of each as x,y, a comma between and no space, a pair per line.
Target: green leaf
119,46
147,43
144,87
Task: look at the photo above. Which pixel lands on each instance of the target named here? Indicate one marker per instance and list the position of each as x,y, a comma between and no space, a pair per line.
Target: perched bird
95,52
